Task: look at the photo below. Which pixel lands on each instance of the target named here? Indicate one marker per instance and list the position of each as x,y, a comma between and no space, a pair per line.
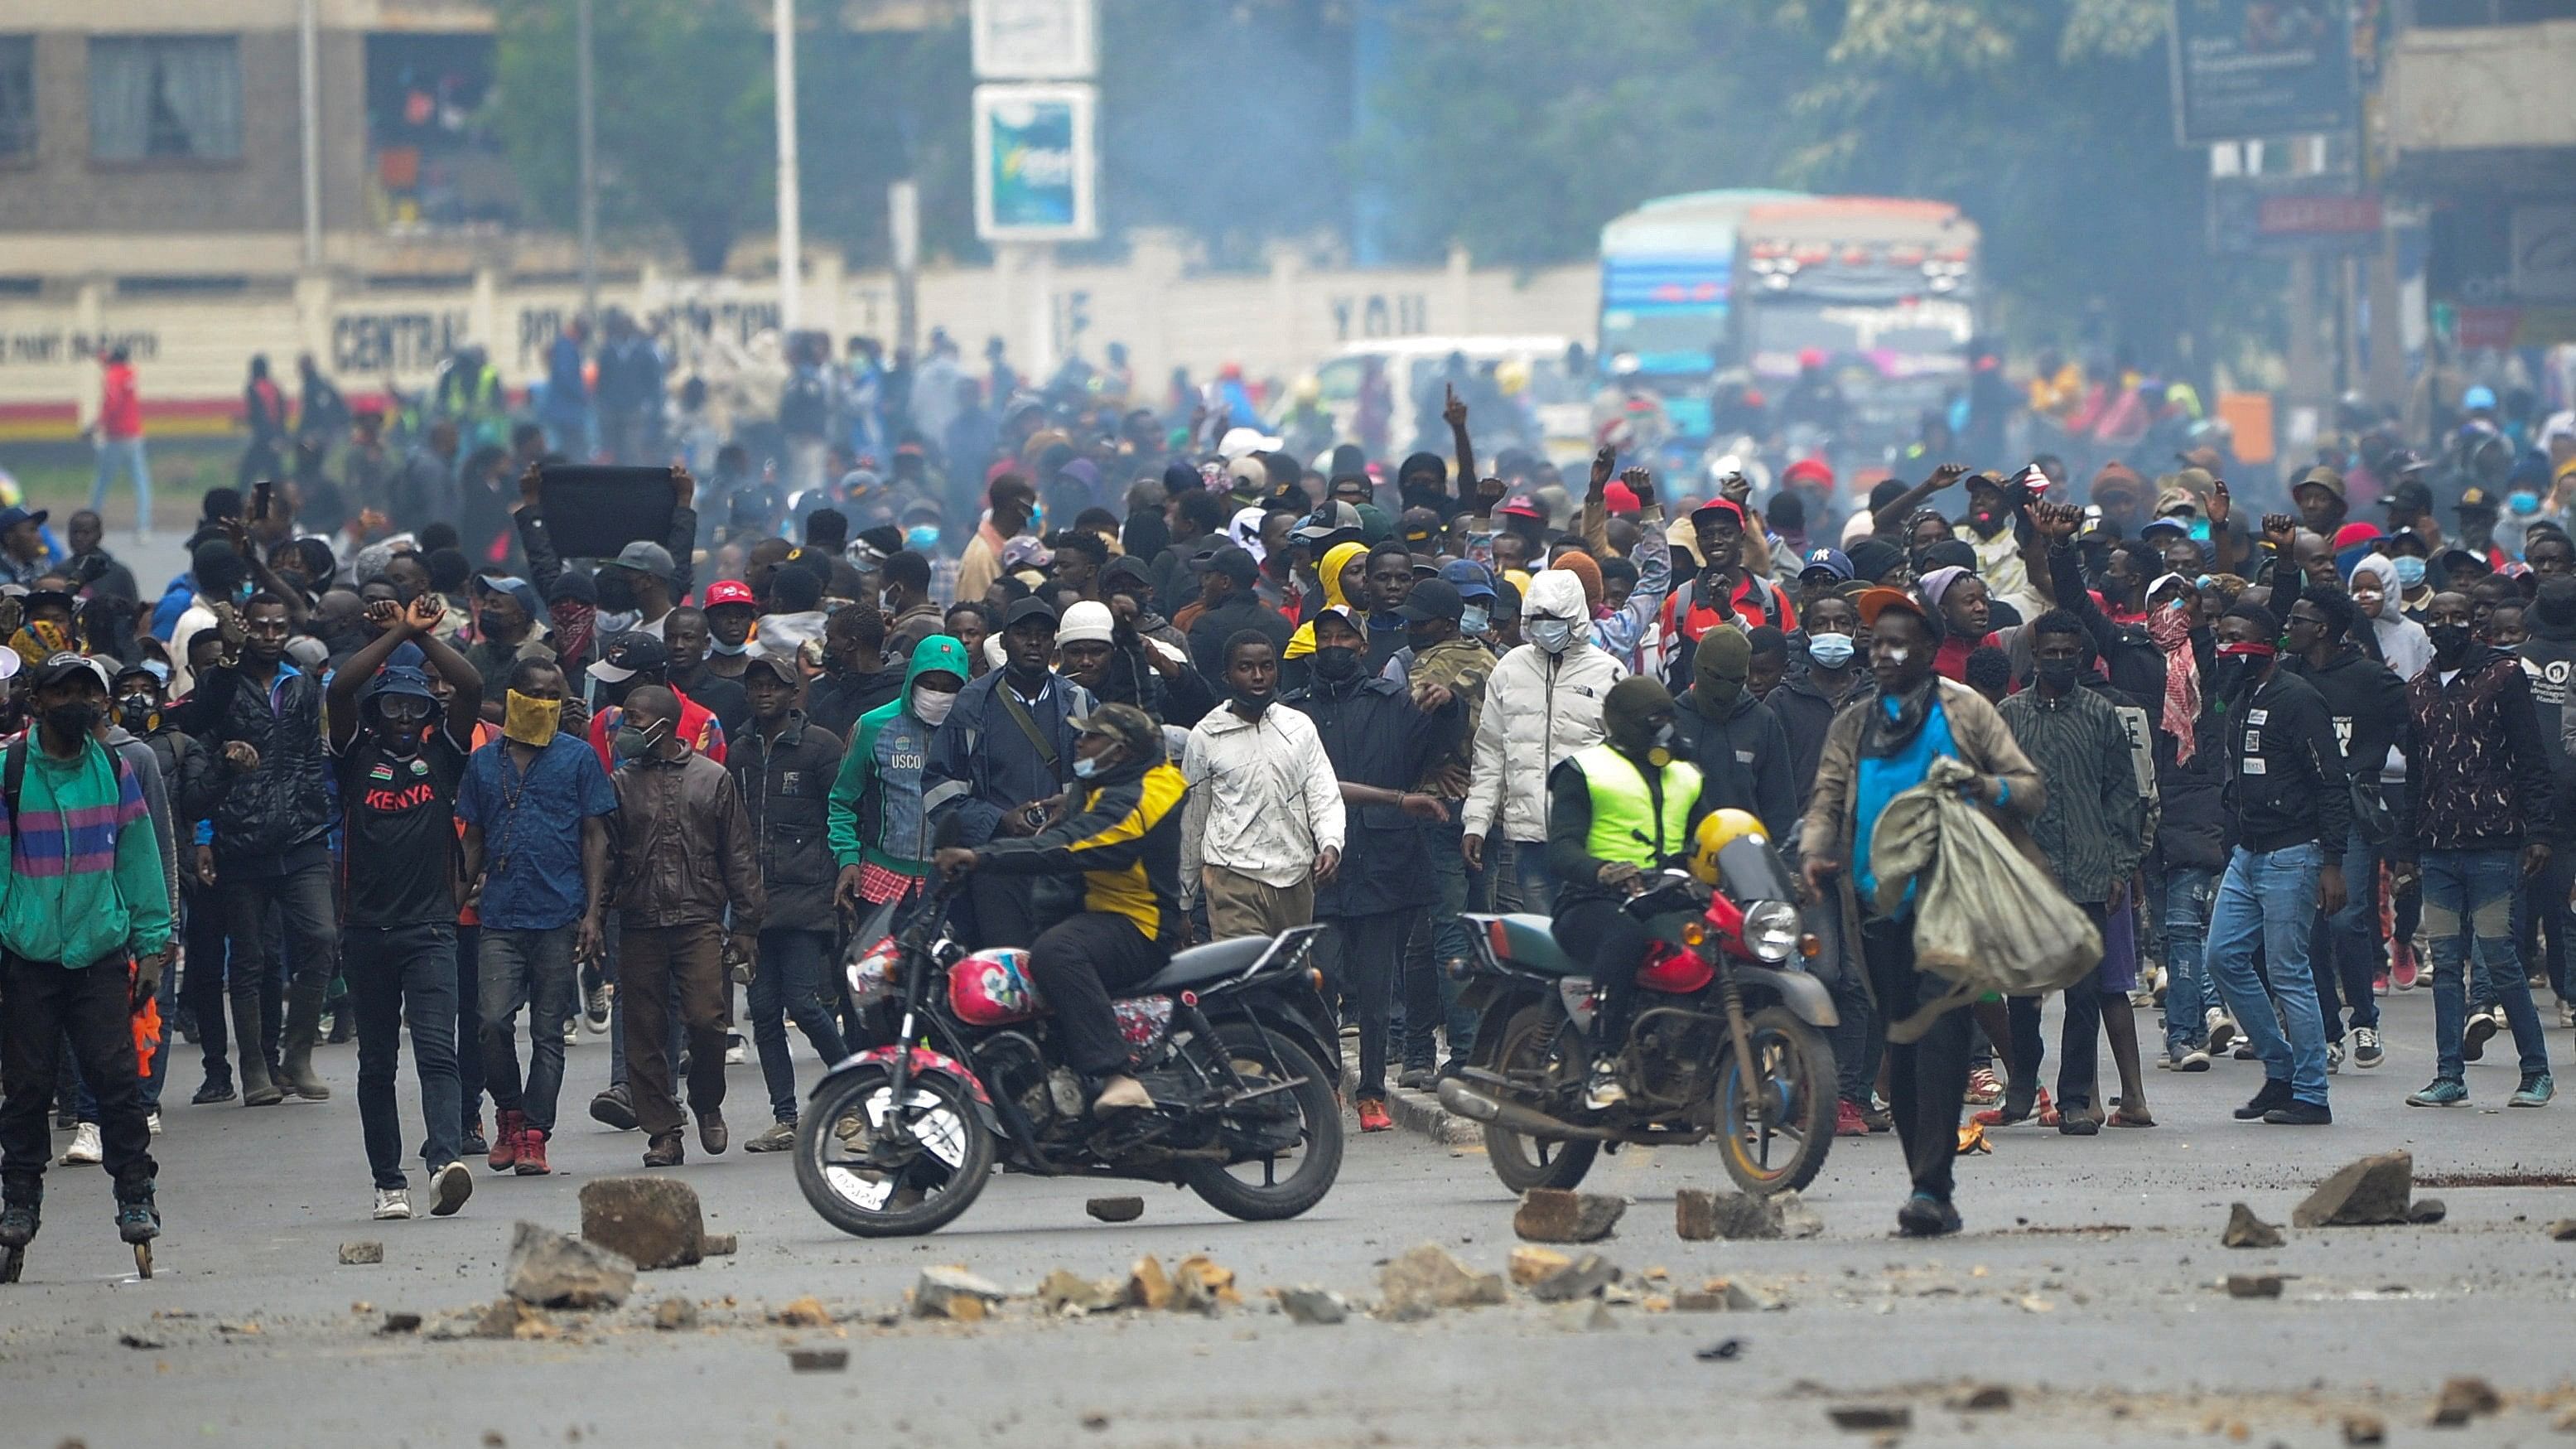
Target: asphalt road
2085,1283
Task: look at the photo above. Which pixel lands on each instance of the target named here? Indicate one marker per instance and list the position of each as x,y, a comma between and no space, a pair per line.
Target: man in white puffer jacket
1542,703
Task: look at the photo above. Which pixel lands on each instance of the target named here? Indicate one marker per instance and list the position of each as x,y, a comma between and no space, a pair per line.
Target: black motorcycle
1232,1040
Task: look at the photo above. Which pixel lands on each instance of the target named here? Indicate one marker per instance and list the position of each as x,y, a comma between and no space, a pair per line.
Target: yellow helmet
1511,375
1721,829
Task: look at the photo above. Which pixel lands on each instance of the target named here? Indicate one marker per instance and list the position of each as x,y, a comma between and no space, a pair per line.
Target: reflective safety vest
1625,823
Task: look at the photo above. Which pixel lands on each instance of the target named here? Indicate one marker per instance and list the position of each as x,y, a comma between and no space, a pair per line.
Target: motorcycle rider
1121,831
1617,809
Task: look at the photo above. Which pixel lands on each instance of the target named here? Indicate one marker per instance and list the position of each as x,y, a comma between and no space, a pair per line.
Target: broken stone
1065,1291
653,1220
2253,1285
1200,1285
673,1314
2244,1230
556,1271
400,1323
1551,1215
1796,1219
2427,1210
1870,1417
1529,1265
948,1292
806,1312
504,1318
1979,1399
139,1341
2373,1189
2466,1398
1429,1277
1312,1305
2364,1429
818,1360
1583,1278
356,1254
1148,1286
1116,1209
2563,1231
1695,1214
717,1245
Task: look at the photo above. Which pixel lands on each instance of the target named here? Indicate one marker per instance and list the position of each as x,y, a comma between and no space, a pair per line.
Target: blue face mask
2410,570
1085,767
1475,620
1830,651
2524,502
921,537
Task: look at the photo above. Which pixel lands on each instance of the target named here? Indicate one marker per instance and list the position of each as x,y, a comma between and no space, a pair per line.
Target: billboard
1033,39
1034,163
2245,69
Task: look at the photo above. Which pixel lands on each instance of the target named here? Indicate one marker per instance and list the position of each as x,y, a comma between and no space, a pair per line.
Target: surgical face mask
634,743
1085,767
72,721
931,706
2525,502
1553,635
921,537
529,720
1476,620
718,646
2410,570
1830,651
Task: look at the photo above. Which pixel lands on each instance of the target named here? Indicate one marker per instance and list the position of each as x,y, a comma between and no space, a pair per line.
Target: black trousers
40,1003
1597,929
1925,1079
1005,909
2079,1037
1361,957
304,900
1075,966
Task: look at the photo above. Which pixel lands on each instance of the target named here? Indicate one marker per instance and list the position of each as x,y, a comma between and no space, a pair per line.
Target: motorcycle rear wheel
1797,1072
942,1178
1527,1162
1260,1056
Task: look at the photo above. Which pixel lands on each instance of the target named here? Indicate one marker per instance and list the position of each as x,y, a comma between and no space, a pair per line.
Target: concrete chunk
2374,1189
2244,1230
1550,1215
556,1271
357,1254
1427,1277
653,1220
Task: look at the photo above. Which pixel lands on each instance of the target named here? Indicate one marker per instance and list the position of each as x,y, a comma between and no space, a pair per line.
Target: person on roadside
1873,753
785,767
398,766
631,661
878,821
2475,827
1542,703
686,858
536,807
1724,591
1441,659
911,615
1228,605
731,611
1002,760
2366,702
1264,824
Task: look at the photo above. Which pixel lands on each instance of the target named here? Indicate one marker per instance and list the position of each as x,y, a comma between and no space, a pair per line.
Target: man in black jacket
2286,792
1735,739
2549,657
1226,587
785,765
2367,703
272,848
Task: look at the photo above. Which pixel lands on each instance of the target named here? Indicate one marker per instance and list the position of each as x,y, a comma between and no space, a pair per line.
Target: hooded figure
1336,559
1738,743
876,823
2402,643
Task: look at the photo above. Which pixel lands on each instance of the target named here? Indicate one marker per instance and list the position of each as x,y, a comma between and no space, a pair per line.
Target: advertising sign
1033,39
1034,163
2244,69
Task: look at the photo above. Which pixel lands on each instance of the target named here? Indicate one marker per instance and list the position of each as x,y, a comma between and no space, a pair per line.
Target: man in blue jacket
999,763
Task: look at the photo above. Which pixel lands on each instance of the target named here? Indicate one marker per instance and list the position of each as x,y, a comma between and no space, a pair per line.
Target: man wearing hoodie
1735,739
878,826
2477,794
1542,703
2367,704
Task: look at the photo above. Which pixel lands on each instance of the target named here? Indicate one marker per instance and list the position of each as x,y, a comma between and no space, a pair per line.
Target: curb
1417,1112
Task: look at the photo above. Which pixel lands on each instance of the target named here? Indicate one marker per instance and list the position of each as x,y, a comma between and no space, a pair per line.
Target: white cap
1085,623
1239,441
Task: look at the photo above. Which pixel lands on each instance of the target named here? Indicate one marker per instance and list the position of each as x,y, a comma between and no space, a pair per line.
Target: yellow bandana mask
530,721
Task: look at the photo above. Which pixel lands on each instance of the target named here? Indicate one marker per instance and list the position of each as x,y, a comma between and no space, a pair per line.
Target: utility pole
791,261
586,132
308,76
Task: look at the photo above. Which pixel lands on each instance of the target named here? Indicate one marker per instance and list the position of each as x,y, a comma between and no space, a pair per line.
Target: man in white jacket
1263,826
1542,704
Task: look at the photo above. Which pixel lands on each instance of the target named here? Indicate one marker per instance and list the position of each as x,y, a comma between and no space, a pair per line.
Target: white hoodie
1539,709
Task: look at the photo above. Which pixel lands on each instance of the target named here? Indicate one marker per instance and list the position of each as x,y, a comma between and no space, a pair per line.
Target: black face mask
1337,665
2449,640
616,593
1249,704
2059,674
2231,677
73,721
138,713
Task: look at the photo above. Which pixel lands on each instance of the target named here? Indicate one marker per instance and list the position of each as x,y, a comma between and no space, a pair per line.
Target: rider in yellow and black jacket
1121,831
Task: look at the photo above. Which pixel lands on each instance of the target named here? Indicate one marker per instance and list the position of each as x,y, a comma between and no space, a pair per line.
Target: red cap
729,591
1809,470
2352,534
1522,505
1620,498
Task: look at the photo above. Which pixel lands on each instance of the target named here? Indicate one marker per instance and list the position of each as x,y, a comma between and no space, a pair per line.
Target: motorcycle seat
1525,941
1200,964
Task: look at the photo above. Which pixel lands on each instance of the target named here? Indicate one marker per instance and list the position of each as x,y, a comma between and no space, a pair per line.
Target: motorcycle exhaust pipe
1467,1102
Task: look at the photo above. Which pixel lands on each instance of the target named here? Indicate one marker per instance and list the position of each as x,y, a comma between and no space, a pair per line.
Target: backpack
1680,652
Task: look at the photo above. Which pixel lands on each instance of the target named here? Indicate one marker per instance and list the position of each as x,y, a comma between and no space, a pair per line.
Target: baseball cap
1242,442
1727,506
1874,602
1125,566
783,665
626,655
1329,518
1418,527
517,588
1830,561
1124,723
1229,560
647,557
2476,500
2410,495
2177,498
1808,470
2320,477
729,591
1522,505
2164,523
399,679
62,666
2480,396
13,515
1433,599
1023,610
1471,579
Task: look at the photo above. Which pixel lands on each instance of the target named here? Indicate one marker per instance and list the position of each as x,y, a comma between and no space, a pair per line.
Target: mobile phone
259,500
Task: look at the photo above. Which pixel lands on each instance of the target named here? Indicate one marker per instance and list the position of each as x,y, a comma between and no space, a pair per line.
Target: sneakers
1877,1116
595,1011
2567,1013
614,1108
1983,1088
509,1127
532,1154
85,1146
779,1137
2275,1093
449,1187
2379,983
735,1051
1373,1116
152,1122
1602,1090
2017,1110
711,1131
2366,1051
2221,1028
2078,1123
665,1151
2481,1030
473,1144
2535,1091
572,1028
392,1204
2441,1092
2401,969
2334,1058
216,1089
1416,1078
1926,1216
2295,1113
2194,1060
1848,1121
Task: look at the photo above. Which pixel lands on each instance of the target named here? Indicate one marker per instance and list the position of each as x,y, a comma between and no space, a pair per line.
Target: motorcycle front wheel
1523,1055
879,1170
1254,1189
1793,1075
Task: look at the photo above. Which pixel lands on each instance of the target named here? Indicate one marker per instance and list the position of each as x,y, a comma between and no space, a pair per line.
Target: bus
1667,282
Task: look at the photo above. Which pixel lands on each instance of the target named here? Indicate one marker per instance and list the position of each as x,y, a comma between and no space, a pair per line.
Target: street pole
586,132
308,76
791,263
903,218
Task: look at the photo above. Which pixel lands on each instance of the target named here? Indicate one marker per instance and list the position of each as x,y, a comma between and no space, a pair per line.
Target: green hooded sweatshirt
876,815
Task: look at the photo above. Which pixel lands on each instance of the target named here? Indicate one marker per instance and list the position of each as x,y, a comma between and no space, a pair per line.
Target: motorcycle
1231,1039
1726,1040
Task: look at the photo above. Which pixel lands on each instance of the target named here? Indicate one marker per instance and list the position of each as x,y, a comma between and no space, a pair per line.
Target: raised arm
1891,519
1454,412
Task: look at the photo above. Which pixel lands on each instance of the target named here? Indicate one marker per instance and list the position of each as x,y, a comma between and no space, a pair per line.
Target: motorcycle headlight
1771,930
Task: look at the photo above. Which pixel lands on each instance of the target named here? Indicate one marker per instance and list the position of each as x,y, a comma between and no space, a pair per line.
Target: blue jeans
2187,890
2272,896
2469,893
1430,992
399,975
2348,964
1538,888
532,969
128,454
793,982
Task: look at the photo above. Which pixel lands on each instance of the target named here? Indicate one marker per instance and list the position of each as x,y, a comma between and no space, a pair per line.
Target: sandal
2126,1116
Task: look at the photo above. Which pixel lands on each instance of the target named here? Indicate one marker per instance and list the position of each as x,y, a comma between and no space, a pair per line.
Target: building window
165,98
17,97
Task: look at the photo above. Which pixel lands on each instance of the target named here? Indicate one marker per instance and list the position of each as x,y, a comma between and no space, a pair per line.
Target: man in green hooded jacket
880,832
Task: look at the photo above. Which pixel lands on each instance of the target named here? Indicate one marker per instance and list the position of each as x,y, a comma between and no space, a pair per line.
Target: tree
684,116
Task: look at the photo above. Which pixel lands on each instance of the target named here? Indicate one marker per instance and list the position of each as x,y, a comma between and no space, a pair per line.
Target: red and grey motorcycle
1232,1040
